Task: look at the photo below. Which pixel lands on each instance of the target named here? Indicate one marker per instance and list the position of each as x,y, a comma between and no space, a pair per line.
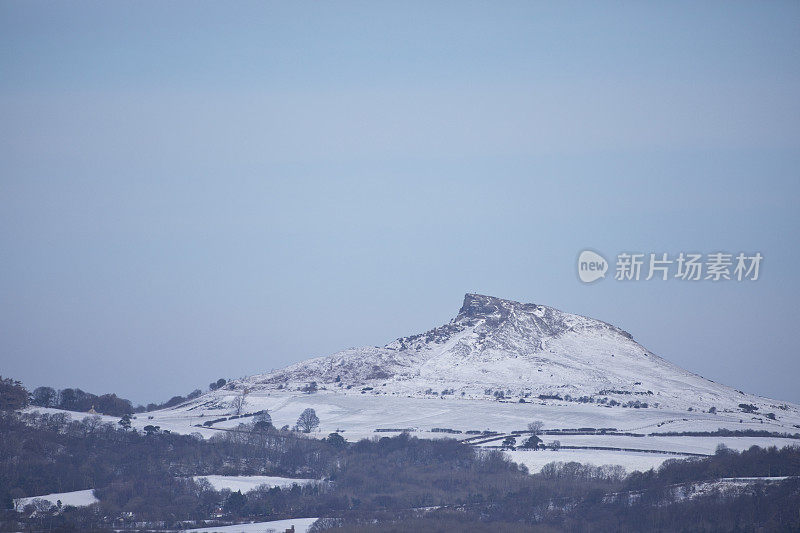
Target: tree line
75,399
146,481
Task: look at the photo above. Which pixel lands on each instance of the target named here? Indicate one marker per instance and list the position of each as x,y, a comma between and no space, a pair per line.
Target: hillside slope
521,350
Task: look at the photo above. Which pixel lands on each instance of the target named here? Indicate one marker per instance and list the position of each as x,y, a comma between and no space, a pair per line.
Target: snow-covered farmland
77,498
675,445
301,525
356,416
631,461
359,415
248,483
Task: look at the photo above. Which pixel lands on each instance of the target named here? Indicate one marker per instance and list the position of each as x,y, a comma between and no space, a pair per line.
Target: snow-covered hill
503,349
497,366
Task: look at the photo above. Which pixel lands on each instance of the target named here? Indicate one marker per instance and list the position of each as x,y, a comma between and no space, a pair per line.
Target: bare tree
92,424
13,395
263,418
41,505
308,420
532,443
44,396
535,427
239,401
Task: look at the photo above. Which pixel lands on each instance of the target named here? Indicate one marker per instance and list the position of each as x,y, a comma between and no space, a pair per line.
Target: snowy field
248,483
78,498
630,461
301,525
703,445
698,445
356,416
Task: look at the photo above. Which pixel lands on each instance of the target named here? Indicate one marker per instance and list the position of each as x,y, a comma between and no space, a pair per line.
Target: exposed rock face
504,321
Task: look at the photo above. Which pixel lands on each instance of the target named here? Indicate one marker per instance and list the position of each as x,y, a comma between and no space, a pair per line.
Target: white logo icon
591,266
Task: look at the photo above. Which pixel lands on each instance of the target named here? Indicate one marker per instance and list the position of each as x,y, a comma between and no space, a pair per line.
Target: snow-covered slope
501,365
496,346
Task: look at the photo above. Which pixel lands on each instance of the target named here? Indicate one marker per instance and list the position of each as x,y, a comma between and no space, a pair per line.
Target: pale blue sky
189,191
